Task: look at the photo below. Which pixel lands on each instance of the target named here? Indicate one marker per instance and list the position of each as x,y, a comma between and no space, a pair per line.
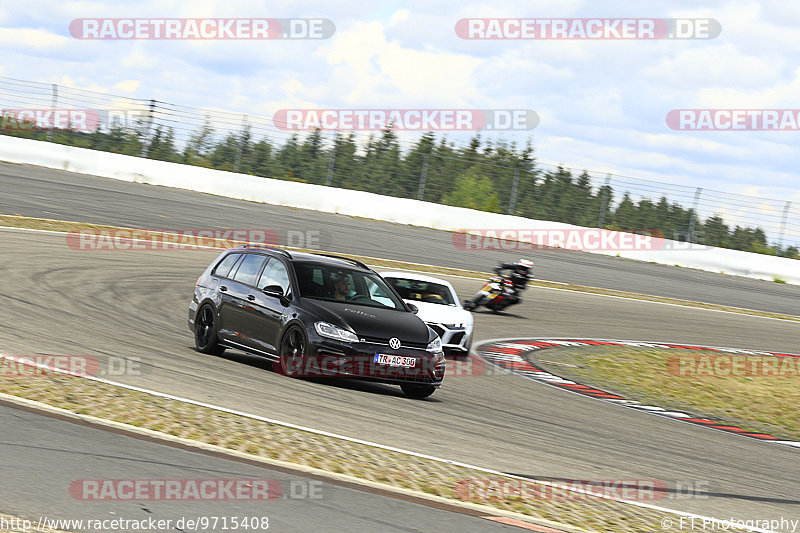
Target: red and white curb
509,354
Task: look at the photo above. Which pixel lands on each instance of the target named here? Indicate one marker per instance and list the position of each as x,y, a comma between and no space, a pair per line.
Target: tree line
489,175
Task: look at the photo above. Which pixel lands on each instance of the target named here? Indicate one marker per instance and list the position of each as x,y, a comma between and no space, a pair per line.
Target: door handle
251,297
224,288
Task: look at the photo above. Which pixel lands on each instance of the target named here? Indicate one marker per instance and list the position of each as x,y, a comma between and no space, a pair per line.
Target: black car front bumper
329,358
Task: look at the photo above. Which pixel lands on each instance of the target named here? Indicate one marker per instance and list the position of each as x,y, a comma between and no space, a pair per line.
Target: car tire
205,332
417,390
292,348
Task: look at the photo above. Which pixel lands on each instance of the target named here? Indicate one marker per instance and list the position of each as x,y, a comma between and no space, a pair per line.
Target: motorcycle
496,294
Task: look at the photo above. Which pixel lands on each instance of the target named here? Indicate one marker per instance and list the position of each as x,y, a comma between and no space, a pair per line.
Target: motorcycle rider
519,273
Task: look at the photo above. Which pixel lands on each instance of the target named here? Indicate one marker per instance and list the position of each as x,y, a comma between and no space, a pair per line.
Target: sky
602,103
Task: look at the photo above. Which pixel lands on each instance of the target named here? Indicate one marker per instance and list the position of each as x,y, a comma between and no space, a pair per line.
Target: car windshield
422,291
337,284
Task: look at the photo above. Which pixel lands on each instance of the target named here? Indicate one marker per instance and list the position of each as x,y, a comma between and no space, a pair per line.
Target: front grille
385,342
457,338
437,328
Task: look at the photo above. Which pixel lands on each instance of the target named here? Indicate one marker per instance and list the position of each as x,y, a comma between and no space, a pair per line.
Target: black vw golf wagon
316,315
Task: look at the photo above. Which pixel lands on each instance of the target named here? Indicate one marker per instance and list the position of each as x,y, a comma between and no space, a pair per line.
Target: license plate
395,360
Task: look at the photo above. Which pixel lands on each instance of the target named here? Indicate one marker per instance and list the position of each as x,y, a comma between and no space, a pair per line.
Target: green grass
760,403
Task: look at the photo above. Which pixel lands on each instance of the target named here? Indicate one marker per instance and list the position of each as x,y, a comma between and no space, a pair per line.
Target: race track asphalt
31,452
38,192
57,300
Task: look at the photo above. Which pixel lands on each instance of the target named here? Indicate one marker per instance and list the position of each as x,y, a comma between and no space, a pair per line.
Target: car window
224,266
335,283
423,291
275,274
311,281
378,293
249,268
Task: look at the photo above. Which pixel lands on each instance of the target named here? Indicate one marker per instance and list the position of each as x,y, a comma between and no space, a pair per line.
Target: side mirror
273,290
414,308
276,291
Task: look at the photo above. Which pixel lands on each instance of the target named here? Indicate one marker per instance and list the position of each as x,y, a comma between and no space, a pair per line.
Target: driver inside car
432,297
341,286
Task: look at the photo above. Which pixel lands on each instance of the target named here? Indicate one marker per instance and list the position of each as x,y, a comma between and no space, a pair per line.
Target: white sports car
438,306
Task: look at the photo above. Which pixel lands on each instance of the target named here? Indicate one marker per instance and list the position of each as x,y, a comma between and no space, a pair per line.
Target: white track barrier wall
369,205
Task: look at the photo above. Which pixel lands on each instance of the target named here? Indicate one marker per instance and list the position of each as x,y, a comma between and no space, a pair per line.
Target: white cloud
782,94
399,16
602,104
716,66
31,39
128,86
138,59
80,83
369,70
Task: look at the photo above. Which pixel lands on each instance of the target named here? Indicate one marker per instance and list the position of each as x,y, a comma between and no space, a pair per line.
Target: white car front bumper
453,338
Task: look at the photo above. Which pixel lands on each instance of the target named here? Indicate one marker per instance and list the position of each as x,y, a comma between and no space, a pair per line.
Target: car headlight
333,332
435,345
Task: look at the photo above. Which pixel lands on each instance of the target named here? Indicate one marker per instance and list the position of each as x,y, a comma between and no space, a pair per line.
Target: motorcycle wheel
501,306
474,303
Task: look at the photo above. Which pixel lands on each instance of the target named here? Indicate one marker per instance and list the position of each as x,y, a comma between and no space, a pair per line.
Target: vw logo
394,343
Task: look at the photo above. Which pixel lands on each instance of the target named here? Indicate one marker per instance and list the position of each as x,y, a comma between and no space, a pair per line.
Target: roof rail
267,247
348,259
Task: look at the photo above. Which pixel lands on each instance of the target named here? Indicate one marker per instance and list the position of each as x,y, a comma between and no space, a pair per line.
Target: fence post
147,123
601,218
423,177
512,202
55,104
332,160
783,224
693,214
238,158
